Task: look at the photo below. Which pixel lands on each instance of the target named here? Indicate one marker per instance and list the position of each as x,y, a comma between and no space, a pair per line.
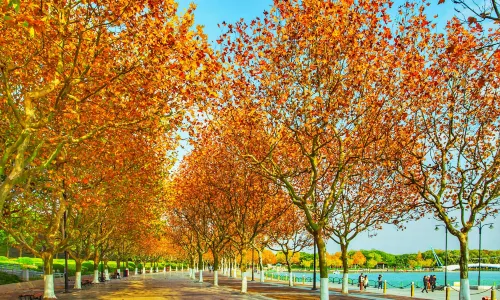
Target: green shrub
8,278
58,268
88,266
29,267
2,258
25,261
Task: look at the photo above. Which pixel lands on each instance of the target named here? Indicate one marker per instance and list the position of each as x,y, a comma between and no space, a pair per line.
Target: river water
404,279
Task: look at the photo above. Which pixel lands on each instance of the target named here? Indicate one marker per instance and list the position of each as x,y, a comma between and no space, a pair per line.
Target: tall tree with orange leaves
450,140
70,70
239,202
200,204
373,196
315,84
94,193
289,236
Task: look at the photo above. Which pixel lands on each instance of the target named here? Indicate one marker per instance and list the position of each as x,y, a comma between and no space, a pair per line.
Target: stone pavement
177,285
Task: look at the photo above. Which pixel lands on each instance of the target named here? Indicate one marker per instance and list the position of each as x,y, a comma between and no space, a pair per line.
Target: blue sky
419,235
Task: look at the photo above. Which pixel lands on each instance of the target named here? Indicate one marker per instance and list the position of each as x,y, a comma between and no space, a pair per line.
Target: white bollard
25,275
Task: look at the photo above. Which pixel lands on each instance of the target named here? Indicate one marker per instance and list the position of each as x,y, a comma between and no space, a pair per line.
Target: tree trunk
8,246
17,171
48,276
289,267
464,268
216,268
243,266
345,267
191,266
200,265
234,267
78,274
106,271
96,269
261,265
323,271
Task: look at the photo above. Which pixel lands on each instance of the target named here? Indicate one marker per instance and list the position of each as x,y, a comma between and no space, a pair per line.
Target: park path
177,285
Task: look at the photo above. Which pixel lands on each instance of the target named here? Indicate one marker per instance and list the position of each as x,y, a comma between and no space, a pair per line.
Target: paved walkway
177,285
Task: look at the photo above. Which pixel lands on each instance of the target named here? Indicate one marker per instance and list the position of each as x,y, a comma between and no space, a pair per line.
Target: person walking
426,283
379,281
365,282
432,282
361,281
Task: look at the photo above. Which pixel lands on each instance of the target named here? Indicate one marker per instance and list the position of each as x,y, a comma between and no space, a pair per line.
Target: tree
200,204
261,243
358,258
334,260
478,11
371,263
289,237
222,194
35,220
268,257
372,197
77,70
451,156
317,94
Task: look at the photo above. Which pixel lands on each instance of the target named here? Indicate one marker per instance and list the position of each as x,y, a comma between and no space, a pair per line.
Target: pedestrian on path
432,282
361,281
426,283
380,281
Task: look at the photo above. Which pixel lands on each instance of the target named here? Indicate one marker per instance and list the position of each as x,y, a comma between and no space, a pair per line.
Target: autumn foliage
319,120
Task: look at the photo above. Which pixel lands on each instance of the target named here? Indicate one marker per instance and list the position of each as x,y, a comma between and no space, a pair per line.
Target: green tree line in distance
380,259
